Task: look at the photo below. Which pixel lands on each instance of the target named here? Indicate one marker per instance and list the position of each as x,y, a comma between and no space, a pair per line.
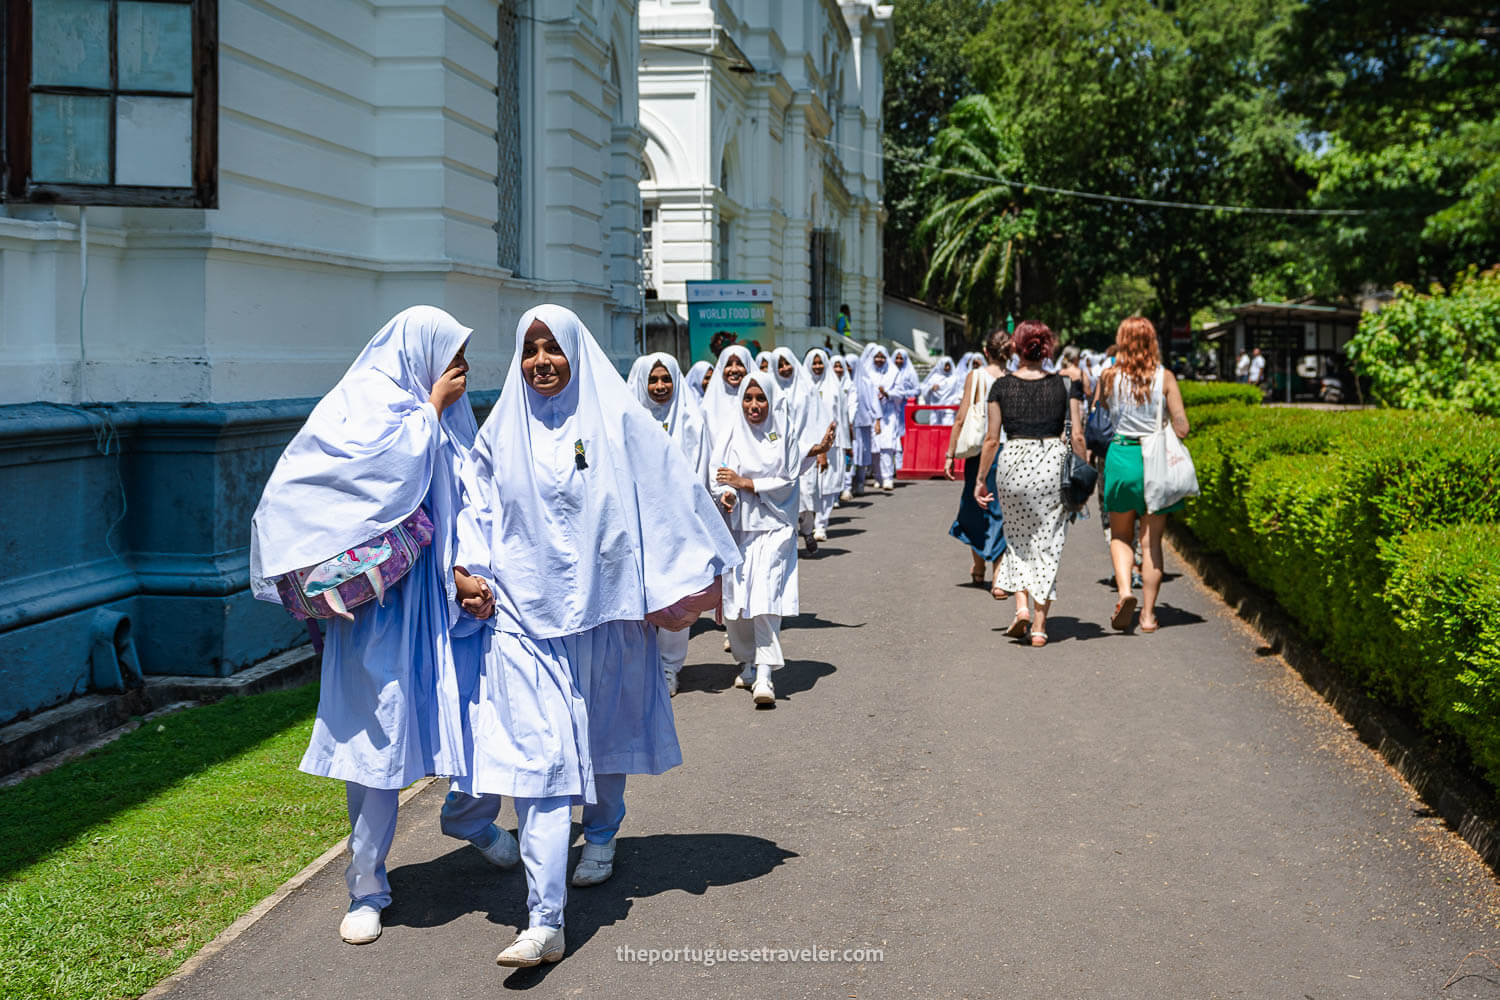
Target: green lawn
116,867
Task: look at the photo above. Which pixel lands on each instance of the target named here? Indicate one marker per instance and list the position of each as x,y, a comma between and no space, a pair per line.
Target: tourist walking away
590,527
980,527
658,383
1138,389
380,463
756,485
823,482
1032,407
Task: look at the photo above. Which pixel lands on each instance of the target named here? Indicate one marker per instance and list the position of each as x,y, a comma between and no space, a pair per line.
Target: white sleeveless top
1132,419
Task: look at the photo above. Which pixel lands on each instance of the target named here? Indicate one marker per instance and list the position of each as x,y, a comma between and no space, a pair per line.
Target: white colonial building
212,206
763,154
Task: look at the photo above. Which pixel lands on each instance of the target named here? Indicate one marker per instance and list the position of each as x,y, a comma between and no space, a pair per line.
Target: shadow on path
800,675
810,619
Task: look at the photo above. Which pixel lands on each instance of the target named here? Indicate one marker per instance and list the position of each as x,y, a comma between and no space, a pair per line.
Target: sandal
1120,621
999,594
1038,640
1149,628
1018,627
977,578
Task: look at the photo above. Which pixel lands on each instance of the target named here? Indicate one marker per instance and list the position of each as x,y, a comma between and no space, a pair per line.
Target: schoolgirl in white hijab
591,521
904,386
658,383
844,367
721,400
756,484
822,483
808,421
944,387
867,425
391,436
697,378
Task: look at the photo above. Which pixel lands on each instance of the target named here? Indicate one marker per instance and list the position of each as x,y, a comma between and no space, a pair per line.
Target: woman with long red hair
1137,388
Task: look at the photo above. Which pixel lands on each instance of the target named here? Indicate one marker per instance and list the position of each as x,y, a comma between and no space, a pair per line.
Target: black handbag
1078,477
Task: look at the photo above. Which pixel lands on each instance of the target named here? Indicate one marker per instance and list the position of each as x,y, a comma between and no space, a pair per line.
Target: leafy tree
926,74
1436,351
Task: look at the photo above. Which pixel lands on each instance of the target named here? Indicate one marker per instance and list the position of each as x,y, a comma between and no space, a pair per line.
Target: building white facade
361,146
763,153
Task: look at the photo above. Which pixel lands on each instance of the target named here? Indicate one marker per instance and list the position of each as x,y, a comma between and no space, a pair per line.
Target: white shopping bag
1166,466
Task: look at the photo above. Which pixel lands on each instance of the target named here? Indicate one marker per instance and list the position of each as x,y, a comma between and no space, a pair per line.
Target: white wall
357,169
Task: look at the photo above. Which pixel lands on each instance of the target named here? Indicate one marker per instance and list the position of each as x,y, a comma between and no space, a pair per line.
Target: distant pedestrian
903,388
980,526
1257,371
1032,407
1242,366
1137,390
844,325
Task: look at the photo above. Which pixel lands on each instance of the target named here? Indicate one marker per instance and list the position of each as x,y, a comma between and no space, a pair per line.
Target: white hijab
592,513
809,417
830,390
695,377
369,455
904,379
721,400
762,451
867,381
681,416
944,387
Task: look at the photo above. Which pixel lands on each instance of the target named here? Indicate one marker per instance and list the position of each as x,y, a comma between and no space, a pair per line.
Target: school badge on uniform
771,436
578,456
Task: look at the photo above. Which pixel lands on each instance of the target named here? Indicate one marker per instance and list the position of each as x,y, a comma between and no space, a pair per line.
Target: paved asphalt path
1113,816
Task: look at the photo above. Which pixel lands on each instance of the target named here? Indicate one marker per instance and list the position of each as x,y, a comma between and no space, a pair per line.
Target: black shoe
812,544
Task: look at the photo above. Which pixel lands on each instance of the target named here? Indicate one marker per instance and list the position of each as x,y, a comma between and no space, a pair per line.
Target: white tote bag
976,420
1166,466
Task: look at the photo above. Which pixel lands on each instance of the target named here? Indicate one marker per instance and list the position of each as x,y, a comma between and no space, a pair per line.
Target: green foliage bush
1345,517
1205,393
1439,351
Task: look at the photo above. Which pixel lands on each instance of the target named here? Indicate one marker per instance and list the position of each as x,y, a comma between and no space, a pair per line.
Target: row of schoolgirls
506,605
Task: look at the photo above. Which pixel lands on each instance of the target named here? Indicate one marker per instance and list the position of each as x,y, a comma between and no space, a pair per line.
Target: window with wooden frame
110,102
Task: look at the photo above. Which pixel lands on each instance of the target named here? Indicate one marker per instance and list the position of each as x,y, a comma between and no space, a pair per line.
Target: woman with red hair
1136,389
1033,407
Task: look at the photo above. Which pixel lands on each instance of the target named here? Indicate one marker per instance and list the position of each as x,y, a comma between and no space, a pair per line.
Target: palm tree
975,225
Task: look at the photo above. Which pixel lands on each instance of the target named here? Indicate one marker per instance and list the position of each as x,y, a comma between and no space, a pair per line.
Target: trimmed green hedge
1205,393
1379,531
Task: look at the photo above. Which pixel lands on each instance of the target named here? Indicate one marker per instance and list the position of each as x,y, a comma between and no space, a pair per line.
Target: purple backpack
357,576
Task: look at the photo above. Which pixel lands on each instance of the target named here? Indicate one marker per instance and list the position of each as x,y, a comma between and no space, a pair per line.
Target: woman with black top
1033,407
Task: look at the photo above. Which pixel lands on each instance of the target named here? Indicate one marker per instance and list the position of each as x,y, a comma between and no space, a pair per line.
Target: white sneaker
671,676
361,924
595,864
503,851
533,946
820,535
764,693
746,677
888,487
846,496
726,644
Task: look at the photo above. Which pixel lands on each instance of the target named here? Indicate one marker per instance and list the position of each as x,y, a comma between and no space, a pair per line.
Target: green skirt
1124,481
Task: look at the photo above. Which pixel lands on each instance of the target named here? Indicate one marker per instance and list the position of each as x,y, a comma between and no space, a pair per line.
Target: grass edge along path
117,867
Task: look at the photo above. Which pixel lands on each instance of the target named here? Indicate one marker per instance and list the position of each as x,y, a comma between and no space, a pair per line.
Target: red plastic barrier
926,444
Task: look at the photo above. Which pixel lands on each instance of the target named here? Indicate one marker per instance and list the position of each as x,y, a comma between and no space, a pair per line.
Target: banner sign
729,312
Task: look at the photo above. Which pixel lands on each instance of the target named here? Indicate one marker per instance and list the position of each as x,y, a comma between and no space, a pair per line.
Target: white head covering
867,380
761,451
904,379
945,384
964,363
369,455
681,416
764,357
721,400
830,391
809,417
695,377
593,513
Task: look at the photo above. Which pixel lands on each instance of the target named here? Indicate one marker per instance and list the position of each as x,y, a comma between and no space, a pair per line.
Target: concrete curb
256,913
1463,803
